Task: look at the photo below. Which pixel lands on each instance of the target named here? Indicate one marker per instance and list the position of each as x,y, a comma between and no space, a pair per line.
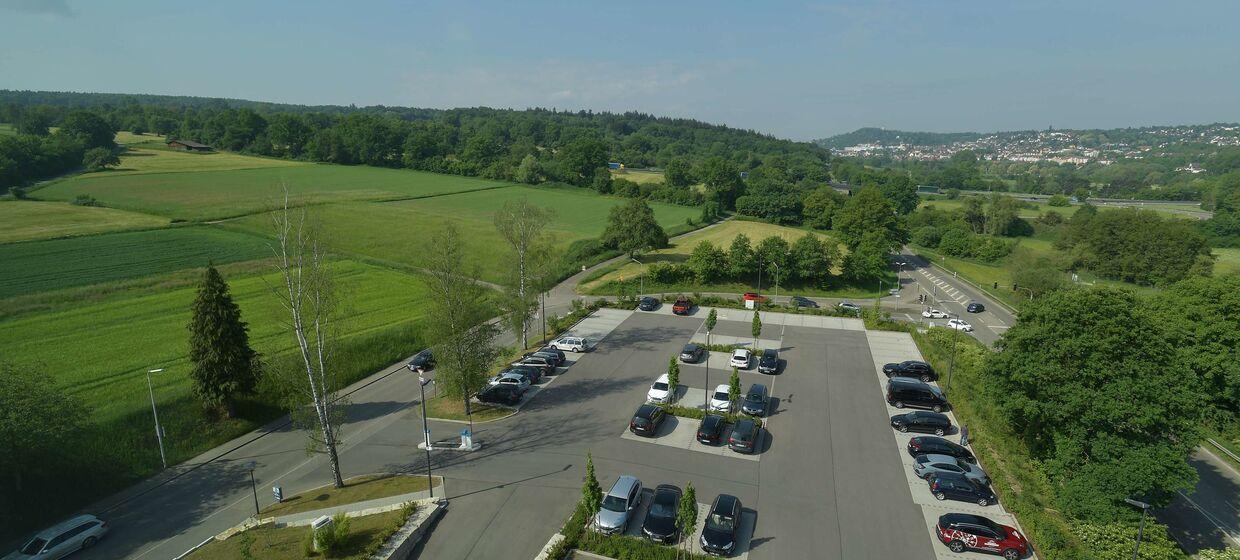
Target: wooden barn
188,146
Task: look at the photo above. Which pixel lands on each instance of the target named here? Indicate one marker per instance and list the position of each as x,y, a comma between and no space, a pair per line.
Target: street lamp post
159,431
253,485
641,277
951,364
426,435
542,298
1141,528
776,300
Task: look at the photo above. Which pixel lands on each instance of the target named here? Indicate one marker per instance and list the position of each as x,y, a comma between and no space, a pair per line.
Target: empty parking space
598,325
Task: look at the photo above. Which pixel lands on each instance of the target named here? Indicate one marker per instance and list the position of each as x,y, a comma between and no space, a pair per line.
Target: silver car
619,503
930,464
62,540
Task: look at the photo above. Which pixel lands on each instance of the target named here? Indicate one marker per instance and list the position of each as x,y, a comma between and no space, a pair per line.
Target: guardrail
1223,449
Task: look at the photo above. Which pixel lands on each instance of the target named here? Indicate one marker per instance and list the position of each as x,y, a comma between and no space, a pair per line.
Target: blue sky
794,69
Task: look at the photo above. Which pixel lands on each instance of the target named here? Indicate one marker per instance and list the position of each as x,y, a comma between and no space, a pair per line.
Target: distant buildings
188,146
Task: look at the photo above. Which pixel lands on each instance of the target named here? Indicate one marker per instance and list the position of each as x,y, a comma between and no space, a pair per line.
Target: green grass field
394,231
638,176
39,266
1227,262
207,195
25,220
147,157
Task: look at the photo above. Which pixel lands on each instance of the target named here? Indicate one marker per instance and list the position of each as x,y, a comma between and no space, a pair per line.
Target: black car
955,486
769,362
754,402
744,438
423,361
902,392
646,420
660,522
711,429
648,304
911,368
545,366
558,353
722,523
556,360
799,301
930,445
692,353
920,421
975,307
530,372
501,393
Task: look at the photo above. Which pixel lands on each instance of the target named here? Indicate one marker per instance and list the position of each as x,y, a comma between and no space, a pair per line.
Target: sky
799,70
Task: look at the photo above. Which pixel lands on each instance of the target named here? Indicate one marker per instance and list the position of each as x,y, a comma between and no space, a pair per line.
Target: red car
754,296
682,306
963,531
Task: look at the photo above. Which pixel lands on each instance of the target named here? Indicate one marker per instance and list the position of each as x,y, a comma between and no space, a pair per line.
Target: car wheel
89,542
957,546
925,378
903,428
940,496
939,431
1011,554
983,502
899,404
937,408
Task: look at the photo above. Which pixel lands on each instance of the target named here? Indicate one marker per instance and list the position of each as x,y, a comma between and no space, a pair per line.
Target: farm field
143,158
394,231
1228,261
39,266
638,176
25,220
1166,210
195,195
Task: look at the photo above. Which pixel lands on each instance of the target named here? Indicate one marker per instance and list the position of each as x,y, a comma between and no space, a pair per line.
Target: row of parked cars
621,504
509,386
949,469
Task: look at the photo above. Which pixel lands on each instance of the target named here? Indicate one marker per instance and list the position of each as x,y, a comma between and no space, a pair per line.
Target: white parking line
1230,535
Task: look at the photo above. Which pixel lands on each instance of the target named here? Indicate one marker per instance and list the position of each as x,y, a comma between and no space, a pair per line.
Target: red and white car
963,531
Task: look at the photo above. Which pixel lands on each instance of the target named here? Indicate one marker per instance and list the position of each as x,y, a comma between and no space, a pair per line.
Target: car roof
664,488
756,387
940,458
724,503
624,484
662,379
770,352
722,387
907,381
713,419
745,423
646,410
740,351
691,345
953,518
55,530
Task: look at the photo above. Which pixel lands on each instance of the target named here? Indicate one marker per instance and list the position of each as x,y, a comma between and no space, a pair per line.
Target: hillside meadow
25,220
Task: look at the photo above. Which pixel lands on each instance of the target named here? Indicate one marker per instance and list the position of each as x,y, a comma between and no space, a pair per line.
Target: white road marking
1210,518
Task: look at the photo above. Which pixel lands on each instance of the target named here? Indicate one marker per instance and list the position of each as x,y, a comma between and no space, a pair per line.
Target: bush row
960,242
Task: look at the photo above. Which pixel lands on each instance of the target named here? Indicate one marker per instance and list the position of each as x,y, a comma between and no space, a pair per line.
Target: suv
740,358
648,304
691,353
850,307
722,523
926,466
555,358
646,420
61,540
958,487
931,422
744,437
534,374
546,366
682,306
618,506
501,393
711,429
902,392
769,362
911,368
922,445
660,522
423,361
660,391
754,402
570,343
965,531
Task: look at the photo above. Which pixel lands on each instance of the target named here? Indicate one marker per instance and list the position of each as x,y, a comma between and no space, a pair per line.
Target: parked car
922,445
501,393
801,301
850,306
682,306
422,361
975,307
925,466
63,539
754,402
534,374
618,505
711,429
931,313
660,391
911,368
555,358
545,366
952,486
920,421
722,523
511,378
646,420
902,392
570,343
740,358
721,400
648,303
964,531
754,296
555,351
744,436
660,522
959,325
769,362
692,353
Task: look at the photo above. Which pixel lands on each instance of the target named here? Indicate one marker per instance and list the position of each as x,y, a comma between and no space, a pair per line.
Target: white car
514,379
61,540
740,358
930,313
720,401
570,343
959,325
660,391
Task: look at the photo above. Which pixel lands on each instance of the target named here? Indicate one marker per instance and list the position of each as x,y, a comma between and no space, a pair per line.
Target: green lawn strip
26,220
356,489
35,266
443,408
838,289
366,535
1227,260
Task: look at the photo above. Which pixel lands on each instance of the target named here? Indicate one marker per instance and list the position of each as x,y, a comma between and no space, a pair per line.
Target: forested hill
886,137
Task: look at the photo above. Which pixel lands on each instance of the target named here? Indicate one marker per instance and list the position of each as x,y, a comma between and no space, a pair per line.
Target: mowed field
396,232
27,219
41,266
197,194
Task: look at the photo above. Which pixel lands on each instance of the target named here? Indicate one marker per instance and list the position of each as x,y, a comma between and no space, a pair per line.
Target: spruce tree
224,365
591,492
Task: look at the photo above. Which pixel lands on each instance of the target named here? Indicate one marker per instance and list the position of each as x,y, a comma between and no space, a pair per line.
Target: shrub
1058,200
85,200
669,273
1050,218
989,248
1114,541
18,193
1225,554
927,236
956,242
331,540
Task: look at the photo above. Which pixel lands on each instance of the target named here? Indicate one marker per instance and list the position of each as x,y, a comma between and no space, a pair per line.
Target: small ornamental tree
591,492
686,515
734,389
756,328
673,378
711,319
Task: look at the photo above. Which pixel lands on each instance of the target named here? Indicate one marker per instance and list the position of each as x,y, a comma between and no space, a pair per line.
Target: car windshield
659,386
738,354
768,353
720,522
614,503
721,395
34,546
660,510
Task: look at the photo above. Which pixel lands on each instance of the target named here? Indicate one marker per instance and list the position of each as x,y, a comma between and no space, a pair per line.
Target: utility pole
159,430
426,436
543,299
253,485
641,276
1141,528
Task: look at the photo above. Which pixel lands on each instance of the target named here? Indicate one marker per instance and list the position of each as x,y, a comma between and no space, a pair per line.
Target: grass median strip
356,489
366,535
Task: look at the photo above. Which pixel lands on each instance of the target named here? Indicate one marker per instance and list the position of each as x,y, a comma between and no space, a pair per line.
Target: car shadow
772,406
